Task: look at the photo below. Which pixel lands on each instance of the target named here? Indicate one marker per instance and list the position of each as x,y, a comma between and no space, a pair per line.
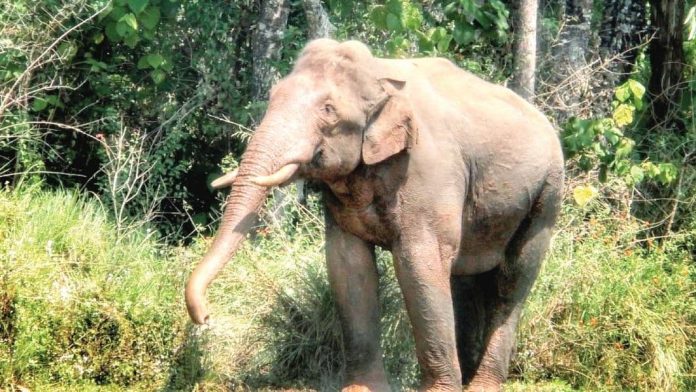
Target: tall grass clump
79,304
274,321
612,309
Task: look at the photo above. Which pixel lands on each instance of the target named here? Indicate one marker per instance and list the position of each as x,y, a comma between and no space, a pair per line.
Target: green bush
82,305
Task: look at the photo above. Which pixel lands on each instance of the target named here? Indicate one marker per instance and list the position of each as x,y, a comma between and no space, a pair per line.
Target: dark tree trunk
624,28
666,60
266,41
523,78
318,23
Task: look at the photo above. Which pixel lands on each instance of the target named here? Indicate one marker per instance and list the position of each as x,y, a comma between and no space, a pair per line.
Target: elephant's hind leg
503,292
471,296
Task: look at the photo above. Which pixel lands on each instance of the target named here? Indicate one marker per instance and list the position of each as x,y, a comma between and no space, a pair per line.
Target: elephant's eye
329,114
329,110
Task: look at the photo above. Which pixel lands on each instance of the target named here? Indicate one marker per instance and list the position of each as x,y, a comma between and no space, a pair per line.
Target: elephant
460,179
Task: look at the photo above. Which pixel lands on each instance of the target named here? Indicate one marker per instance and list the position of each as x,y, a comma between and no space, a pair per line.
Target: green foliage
474,34
602,144
88,302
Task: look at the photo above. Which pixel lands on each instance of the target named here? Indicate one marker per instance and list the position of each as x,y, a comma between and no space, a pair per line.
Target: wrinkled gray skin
461,179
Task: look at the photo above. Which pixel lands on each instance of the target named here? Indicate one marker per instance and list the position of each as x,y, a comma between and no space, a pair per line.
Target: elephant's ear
392,129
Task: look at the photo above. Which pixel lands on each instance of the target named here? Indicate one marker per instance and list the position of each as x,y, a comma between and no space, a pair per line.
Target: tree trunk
666,60
318,23
623,30
266,43
267,47
525,49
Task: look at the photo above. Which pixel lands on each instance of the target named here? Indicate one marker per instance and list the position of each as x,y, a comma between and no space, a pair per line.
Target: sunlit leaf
622,93
130,20
584,194
637,174
625,148
623,115
636,88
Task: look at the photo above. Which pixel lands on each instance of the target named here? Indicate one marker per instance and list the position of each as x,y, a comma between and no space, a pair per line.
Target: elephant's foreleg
354,280
424,278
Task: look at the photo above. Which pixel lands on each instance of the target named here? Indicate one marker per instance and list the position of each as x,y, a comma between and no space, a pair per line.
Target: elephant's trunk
260,159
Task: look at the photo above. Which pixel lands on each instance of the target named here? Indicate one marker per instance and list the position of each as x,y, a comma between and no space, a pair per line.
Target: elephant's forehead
300,90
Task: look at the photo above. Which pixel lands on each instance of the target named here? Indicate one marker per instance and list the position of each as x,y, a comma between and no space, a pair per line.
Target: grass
81,305
84,309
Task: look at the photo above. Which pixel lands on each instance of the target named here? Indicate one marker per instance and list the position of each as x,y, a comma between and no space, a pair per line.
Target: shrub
82,305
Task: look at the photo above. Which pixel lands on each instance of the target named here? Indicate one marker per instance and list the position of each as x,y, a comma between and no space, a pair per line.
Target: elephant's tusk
225,179
277,178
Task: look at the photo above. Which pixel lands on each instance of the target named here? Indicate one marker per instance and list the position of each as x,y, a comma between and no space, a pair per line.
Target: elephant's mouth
317,159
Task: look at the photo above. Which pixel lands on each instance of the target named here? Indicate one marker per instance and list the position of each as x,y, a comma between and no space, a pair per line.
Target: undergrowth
81,305
84,309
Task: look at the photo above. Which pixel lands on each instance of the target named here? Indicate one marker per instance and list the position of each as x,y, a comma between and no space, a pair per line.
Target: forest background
116,115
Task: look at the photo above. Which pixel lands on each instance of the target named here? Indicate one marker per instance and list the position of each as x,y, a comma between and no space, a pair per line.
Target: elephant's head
339,107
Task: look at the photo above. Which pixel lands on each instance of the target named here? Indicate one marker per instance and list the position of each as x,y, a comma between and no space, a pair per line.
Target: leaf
143,63
622,93
637,174
393,22
394,6
625,148
378,16
613,135
167,65
137,6
636,88
463,33
623,115
39,104
112,33
668,173
158,76
130,20
638,103
123,30
584,194
154,60
98,38
131,41
67,50
117,13
444,43
150,17
424,42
